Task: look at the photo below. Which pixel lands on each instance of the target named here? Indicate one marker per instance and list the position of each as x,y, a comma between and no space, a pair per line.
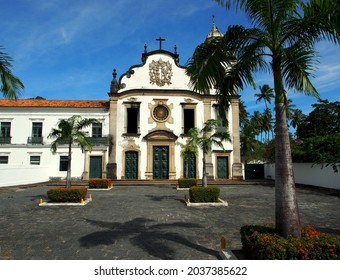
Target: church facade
151,108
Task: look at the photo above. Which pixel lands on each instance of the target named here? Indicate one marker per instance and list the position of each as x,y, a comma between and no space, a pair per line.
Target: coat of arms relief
160,72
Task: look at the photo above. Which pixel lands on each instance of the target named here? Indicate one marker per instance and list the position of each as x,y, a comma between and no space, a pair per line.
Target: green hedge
100,183
204,194
260,242
73,194
187,182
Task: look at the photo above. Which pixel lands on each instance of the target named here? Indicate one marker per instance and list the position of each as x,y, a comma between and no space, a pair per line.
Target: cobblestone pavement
144,222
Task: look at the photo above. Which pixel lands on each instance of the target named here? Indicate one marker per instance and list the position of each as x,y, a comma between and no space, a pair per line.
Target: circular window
160,113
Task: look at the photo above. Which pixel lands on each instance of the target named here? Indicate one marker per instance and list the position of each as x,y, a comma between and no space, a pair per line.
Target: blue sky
67,49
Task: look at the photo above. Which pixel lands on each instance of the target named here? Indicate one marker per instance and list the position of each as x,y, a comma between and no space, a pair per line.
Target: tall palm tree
267,122
256,123
280,41
266,94
297,118
211,134
11,86
70,132
244,115
247,141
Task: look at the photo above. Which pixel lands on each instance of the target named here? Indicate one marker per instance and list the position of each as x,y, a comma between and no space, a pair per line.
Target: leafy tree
281,41
11,86
211,134
266,94
70,132
323,120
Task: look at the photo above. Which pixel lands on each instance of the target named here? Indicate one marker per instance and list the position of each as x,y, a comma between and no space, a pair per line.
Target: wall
20,175
307,174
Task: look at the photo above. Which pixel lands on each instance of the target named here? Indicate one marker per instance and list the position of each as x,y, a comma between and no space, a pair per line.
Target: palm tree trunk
204,178
286,208
68,175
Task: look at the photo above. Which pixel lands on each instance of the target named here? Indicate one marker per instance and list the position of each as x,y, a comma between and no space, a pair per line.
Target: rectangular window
5,133
35,160
3,159
63,163
37,129
5,129
97,130
189,119
132,120
222,122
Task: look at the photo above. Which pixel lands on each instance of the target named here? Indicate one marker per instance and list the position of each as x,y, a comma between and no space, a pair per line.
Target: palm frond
206,66
297,64
11,86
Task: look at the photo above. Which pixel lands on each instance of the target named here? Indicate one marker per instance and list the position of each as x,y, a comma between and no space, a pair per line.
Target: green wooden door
222,167
131,165
95,167
161,162
189,165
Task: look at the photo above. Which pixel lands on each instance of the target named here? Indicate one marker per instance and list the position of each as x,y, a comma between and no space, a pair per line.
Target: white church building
150,108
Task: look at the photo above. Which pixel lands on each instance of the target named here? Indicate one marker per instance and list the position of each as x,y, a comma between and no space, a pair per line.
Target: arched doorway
160,155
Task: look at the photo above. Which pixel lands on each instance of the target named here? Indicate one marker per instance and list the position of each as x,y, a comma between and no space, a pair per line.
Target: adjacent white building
150,108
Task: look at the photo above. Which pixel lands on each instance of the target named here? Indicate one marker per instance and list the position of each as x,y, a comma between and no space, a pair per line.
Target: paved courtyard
143,222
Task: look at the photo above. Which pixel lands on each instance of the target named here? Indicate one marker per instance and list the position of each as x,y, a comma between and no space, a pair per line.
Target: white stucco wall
307,174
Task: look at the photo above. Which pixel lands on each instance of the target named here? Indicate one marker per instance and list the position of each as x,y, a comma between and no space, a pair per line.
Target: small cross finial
213,20
114,73
160,39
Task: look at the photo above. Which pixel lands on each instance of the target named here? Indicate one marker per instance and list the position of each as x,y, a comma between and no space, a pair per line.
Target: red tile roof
55,103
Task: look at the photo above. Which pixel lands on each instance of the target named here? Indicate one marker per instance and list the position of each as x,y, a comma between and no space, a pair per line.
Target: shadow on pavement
155,239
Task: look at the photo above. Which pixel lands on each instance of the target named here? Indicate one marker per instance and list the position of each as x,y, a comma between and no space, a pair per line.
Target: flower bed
100,183
73,194
261,242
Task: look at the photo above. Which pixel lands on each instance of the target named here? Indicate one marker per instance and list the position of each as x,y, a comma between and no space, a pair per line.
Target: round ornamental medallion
160,112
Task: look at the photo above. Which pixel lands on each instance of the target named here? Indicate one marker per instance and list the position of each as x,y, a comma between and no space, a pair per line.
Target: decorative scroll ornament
160,72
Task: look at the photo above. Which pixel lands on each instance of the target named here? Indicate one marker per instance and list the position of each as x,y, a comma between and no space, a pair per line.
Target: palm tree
247,141
290,108
256,123
267,122
70,132
244,115
211,134
191,147
266,94
11,86
280,41
297,118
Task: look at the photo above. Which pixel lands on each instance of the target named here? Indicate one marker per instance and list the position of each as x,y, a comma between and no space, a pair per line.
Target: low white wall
309,174
21,175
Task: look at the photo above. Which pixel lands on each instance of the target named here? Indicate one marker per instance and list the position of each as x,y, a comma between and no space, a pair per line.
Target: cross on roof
160,39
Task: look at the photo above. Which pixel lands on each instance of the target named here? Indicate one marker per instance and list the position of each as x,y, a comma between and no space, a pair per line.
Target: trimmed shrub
187,182
262,243
100,183
73,194
204,194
